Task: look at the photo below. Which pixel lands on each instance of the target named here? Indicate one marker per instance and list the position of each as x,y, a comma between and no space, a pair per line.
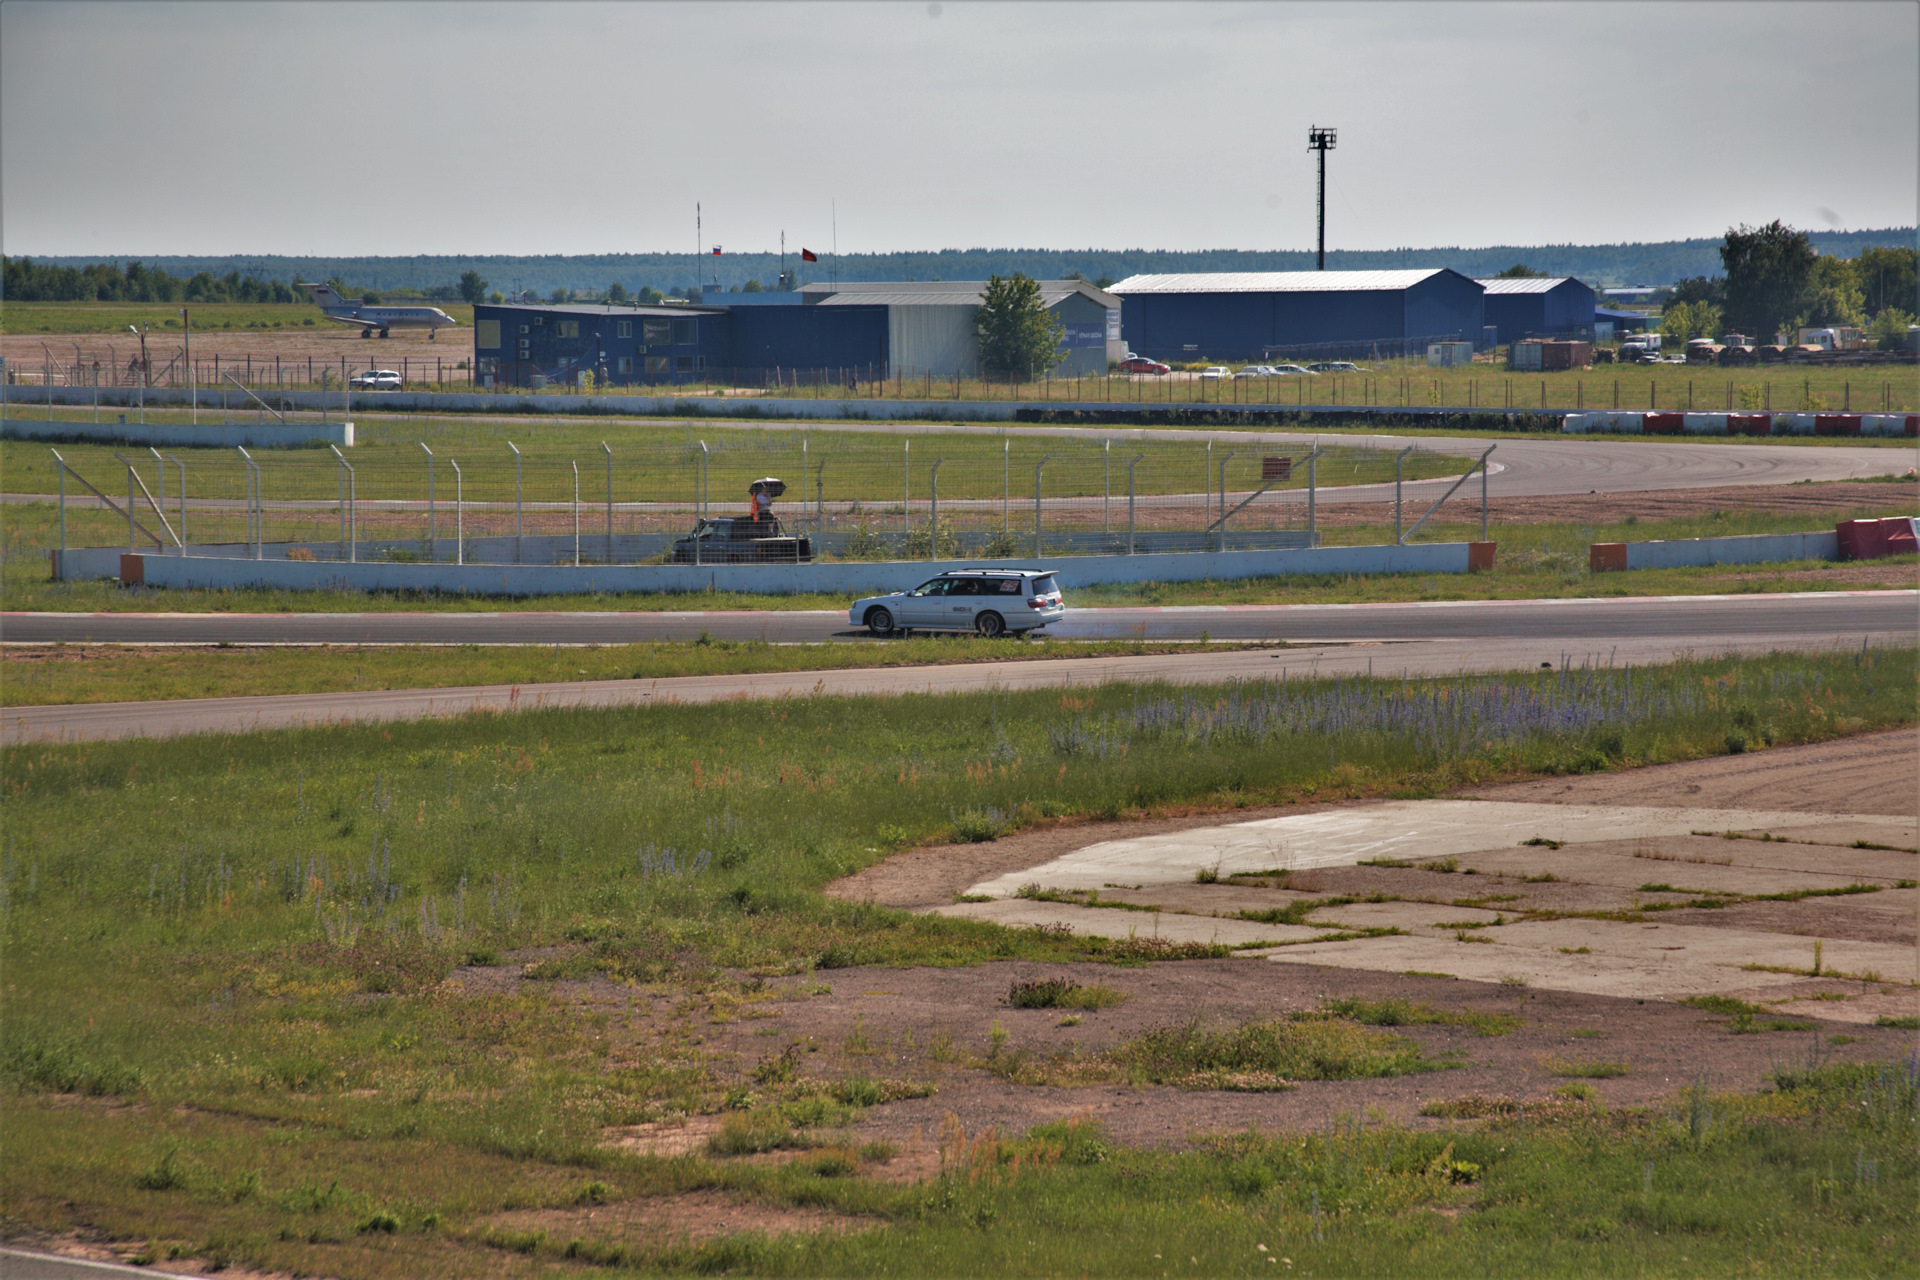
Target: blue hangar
1247,315
1538,307
866,330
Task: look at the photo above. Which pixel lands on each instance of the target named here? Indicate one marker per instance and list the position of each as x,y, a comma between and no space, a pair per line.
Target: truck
755,538
1834,338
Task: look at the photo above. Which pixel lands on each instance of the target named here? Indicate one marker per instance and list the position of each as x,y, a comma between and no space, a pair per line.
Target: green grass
102,673
237,946
1063,993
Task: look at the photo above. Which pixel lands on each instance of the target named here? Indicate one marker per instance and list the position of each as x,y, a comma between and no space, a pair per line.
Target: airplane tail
325,298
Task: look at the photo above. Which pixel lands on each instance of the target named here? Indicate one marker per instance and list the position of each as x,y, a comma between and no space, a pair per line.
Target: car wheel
880,622
990,625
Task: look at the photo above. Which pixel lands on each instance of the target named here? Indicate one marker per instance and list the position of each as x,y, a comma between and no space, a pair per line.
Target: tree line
1776,282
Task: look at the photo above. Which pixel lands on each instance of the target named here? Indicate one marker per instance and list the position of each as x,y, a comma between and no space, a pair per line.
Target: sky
460,128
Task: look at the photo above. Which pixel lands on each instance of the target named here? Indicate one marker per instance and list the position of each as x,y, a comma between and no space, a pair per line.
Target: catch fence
879,498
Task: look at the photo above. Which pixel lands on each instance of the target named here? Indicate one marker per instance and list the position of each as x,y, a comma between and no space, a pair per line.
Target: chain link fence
855,498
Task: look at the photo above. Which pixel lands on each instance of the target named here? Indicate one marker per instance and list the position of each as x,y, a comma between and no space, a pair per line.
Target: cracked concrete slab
1104,922
1412,830
1580,865
1403,915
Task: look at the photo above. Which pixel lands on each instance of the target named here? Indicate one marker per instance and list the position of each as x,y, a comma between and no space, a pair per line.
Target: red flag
808,255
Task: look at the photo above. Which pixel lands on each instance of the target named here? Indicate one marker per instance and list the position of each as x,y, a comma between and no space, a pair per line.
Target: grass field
101,673
227,1031
1536,561
210,319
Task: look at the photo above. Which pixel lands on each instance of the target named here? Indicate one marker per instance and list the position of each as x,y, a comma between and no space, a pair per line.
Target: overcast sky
398,128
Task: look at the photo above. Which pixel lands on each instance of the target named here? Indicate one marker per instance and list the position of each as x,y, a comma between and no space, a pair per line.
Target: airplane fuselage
368,317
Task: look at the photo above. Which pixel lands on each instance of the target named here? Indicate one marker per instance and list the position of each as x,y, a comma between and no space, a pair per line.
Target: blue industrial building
1538,307
1251,315
822,333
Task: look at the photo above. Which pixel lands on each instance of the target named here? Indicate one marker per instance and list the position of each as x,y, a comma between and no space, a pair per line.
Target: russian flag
716,251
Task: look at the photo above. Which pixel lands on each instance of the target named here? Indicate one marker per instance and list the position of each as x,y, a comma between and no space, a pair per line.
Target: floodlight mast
1322,140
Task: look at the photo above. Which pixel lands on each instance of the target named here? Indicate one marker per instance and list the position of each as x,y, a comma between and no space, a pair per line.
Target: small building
932,327
1538,307
1244,315
531,346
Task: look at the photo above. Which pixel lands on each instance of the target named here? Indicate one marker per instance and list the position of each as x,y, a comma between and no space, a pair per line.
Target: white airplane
370,317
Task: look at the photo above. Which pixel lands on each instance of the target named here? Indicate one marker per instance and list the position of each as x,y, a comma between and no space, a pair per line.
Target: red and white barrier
1743,424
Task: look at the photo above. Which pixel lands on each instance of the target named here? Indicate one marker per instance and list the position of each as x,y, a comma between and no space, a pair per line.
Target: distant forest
265,277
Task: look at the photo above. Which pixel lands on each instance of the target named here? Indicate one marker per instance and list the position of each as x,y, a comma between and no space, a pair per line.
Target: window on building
623,365
566,328
625,329
658,366
683,364
486,334
683,335
656,332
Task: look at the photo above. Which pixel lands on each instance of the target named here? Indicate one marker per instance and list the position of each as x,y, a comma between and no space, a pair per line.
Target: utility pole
186,348
1321,140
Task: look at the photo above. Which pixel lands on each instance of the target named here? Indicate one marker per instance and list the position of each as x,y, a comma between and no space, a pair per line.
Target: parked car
1215,372
1140,364
1255,371
375,380
1291,371
989,602
1335,366
742,540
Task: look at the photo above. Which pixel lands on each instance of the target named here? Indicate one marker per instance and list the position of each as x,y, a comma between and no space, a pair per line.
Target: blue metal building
530,346
1248,315
1539,307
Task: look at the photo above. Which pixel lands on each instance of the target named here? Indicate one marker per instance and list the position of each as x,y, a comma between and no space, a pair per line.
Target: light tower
1321,140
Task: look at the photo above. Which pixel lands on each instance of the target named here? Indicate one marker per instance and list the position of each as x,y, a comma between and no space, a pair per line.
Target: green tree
1890,329
616,292
1833,294
1018,339
1701,289
496,297
472,287
1887,278
753,286
560,295
1521,271
1767,271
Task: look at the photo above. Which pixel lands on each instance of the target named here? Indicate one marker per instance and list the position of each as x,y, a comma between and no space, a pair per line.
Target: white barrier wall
1762,548
1623,422
850,579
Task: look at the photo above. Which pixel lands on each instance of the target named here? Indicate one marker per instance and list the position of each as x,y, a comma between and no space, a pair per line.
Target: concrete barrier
184,435
1761,548
844,578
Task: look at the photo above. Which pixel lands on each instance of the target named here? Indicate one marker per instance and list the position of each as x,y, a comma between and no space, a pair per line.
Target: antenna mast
1321,140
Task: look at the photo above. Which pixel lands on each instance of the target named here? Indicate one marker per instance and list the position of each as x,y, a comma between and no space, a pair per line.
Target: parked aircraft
370,317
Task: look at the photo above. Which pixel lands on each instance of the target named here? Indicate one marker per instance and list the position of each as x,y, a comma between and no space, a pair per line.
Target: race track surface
1408,640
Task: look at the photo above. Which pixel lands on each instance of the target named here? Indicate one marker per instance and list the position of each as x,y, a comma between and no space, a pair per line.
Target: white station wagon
989,602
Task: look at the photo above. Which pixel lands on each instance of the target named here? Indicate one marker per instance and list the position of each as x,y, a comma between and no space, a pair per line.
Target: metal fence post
349,495
1130,467
181,541
1036,503
1483,491
130,482
1006,484
433,550
459,513
1397,459
1106,497
1220,542
906,492
256,506
519,510
819,499
576,515
1313,460
933,512
163,481
609,453
699,502
62,462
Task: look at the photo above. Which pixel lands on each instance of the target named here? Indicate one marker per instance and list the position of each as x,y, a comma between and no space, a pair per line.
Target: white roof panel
1275,281
1523,284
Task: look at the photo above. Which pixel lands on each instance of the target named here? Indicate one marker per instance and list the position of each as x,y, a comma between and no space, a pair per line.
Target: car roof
998,573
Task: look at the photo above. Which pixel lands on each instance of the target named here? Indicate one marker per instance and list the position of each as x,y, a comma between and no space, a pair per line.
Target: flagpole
836,243
699,242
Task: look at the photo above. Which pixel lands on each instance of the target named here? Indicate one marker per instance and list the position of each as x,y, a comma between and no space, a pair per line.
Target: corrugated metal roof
942,293
1523,284
601,309
1274,281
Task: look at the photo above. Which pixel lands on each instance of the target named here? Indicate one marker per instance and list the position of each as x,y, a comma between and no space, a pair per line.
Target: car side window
938,587
968,587
1010,586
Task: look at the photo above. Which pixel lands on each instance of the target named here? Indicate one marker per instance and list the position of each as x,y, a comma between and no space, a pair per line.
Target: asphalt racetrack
1413,640
1818,615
